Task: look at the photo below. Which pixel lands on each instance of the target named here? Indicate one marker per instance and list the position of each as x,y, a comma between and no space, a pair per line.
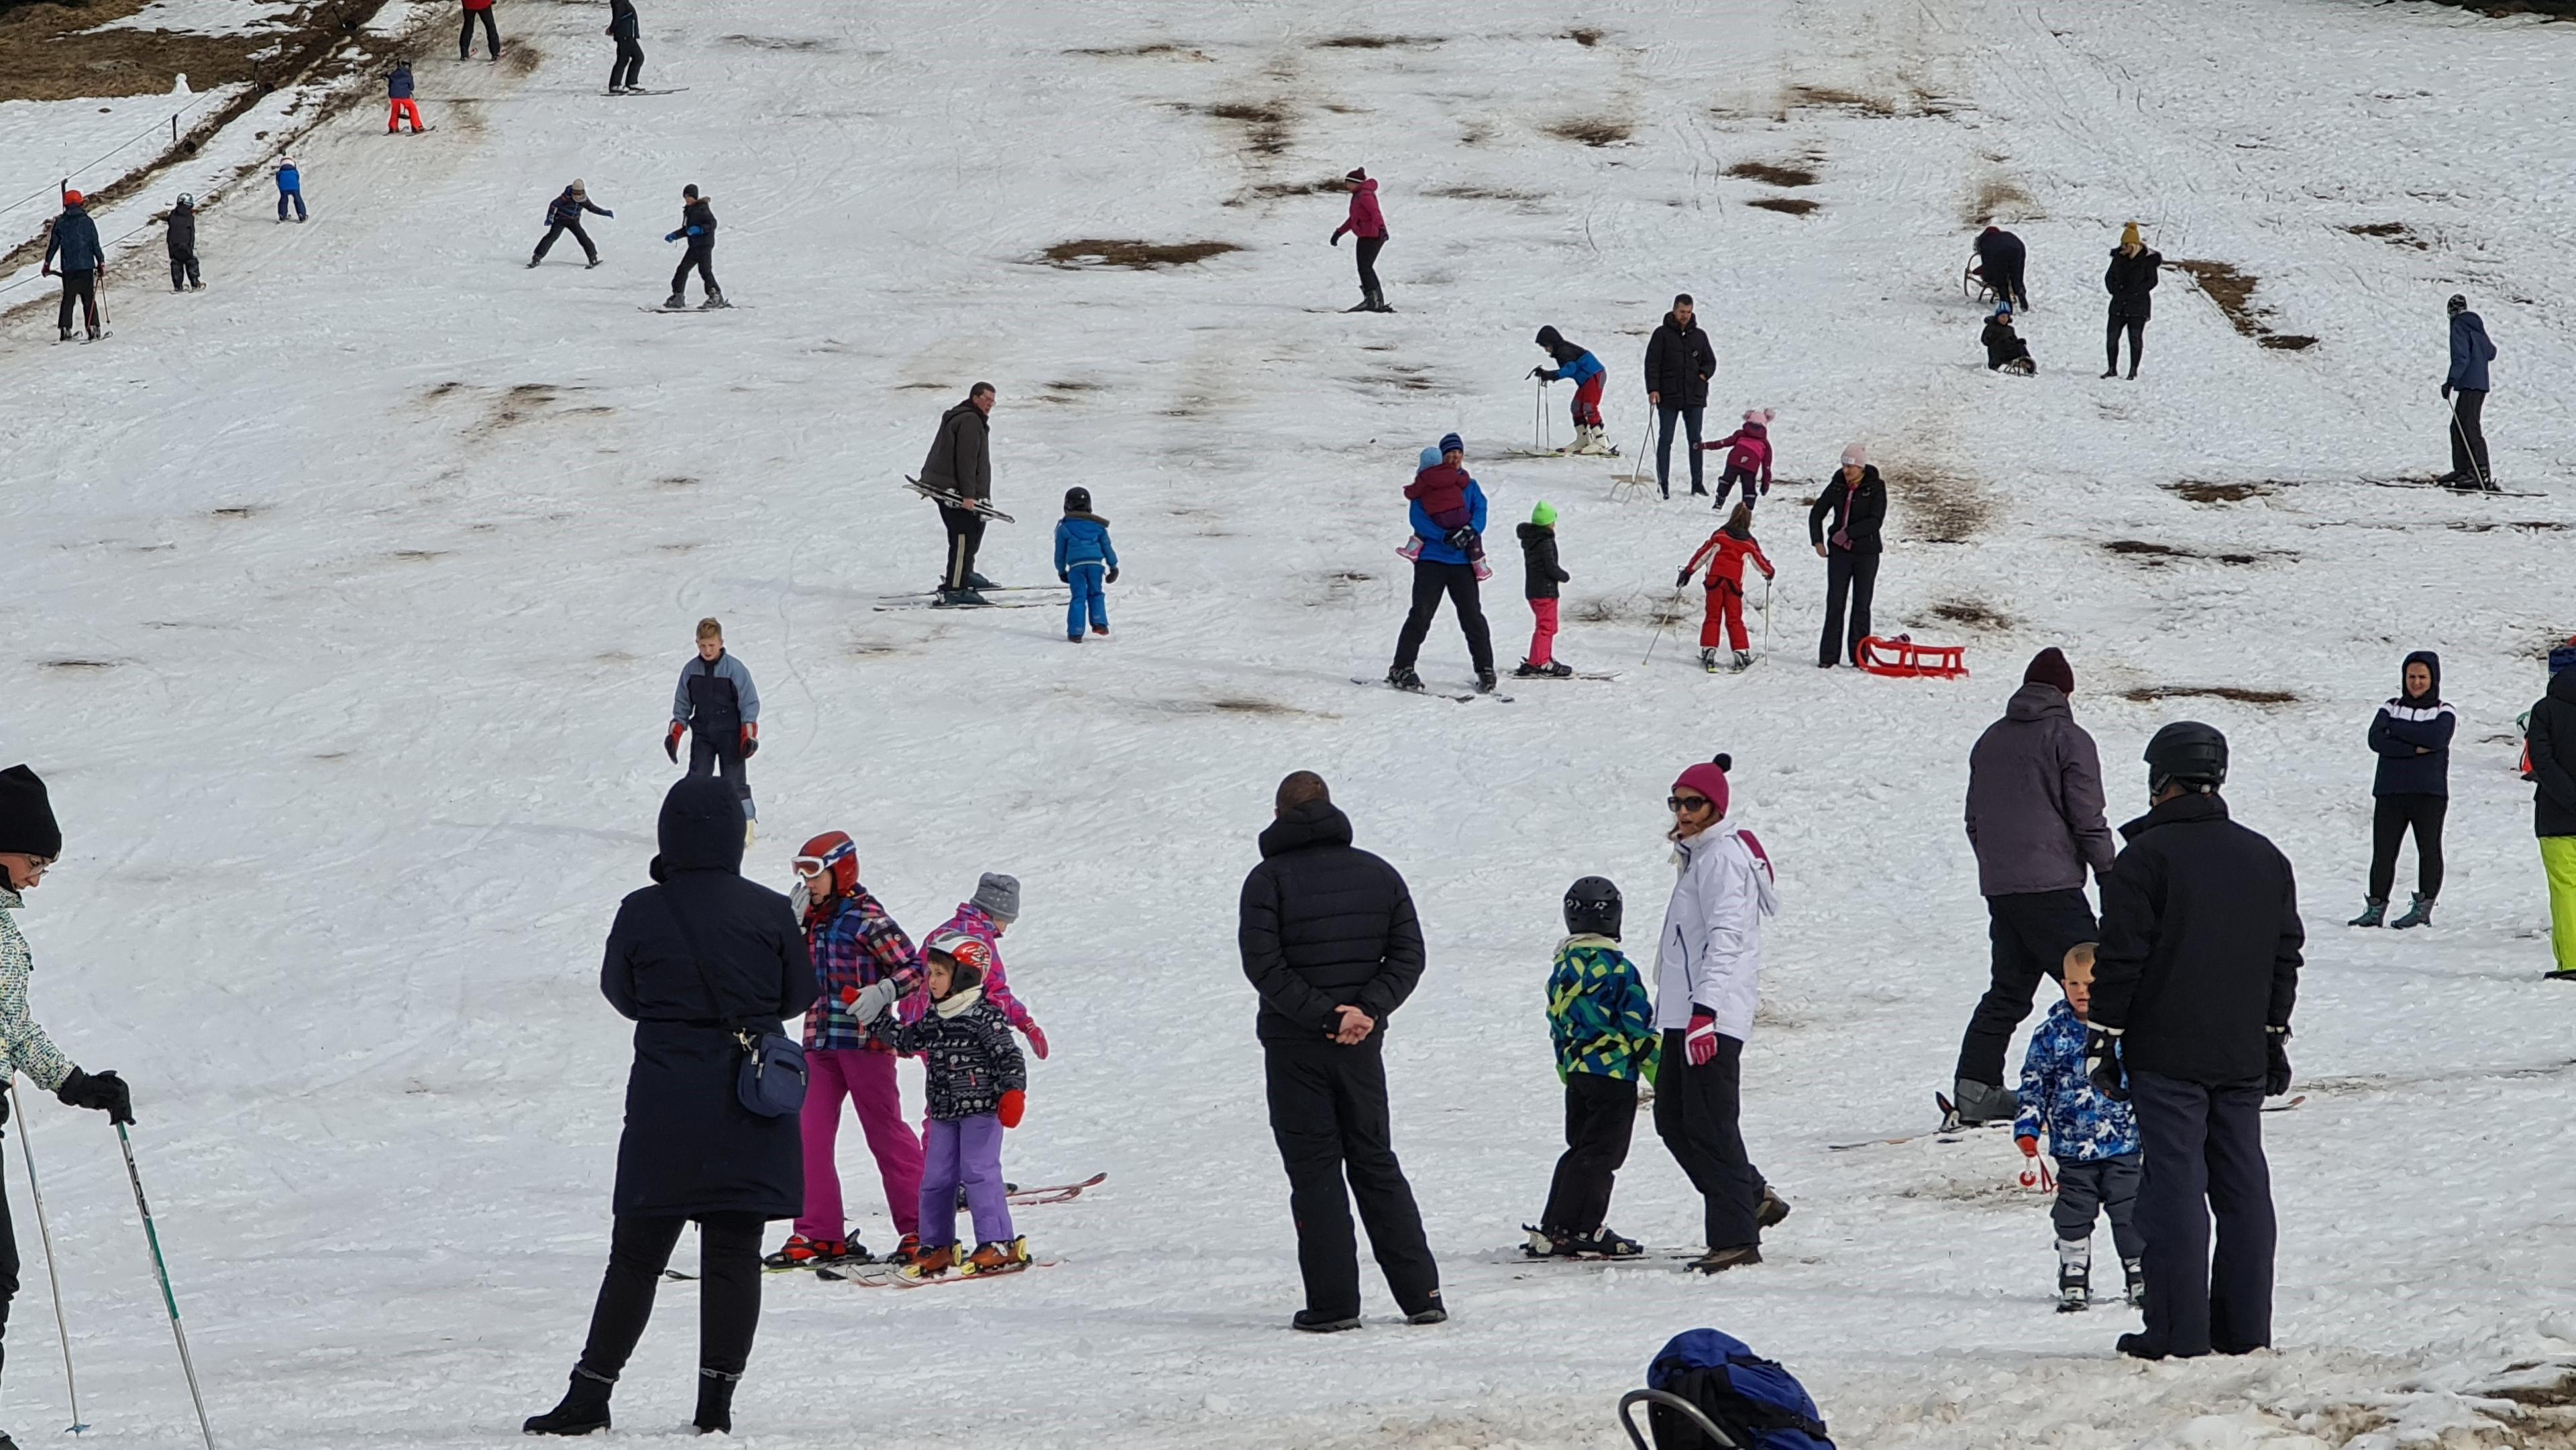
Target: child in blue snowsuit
1085,559
2094,1139
290,187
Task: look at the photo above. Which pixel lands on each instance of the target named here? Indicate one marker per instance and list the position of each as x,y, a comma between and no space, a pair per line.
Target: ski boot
2136,1270
532,264
1588,440
800,1252
1485,680
584,1407
715,301
998,1257
1607,1244
593,262
2372,912
1743,662
2074,1275
1708,660
1101,630
1527,671
715,1401
978,581
931,1261
1718,1261
1774,1208
1367,302
675,302
2418,914
67,335
1975,1103
2562,974
905,1250
1403,677
958,599
1377,300
95,333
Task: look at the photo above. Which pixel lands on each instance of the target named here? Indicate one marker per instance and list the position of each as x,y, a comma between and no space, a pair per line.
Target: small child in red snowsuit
1748,452
1726,551
1441,488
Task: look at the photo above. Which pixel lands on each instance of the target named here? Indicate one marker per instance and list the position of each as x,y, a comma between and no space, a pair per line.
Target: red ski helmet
835,853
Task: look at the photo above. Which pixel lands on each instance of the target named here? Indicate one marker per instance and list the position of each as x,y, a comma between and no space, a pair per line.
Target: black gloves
104,1091
1681,578
1113,573
1061,577
2102,1064
2446,390
2276,1069
1462,539
671,742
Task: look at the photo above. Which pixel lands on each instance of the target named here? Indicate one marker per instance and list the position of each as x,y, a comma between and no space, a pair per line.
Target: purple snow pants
964,1151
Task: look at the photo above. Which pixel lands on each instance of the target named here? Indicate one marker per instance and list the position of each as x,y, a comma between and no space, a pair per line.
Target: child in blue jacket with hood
2094,1139
1085,559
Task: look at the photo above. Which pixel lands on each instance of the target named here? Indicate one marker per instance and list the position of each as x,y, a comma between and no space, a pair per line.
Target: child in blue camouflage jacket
2094,1139
1603,1025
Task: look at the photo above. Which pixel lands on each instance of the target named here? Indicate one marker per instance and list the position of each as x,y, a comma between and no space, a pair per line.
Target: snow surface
346,596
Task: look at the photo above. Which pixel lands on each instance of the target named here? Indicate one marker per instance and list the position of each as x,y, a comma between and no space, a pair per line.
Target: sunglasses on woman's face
1690,803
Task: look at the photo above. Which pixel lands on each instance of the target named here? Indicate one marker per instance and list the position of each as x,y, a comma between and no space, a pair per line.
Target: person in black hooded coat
692,960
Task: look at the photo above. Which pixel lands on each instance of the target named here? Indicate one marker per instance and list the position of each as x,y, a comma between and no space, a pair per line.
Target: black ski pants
2107,1187
555,229
183,269
2469,435
701,256
2004,278
1458,582
2136,327
965,536
8,1272
1328,1113
728,1290
491,34
1369,247
2391,817
1699,1114
2204,1154
1690,420
2030,932
719,753
1600,1118
628,68
1847,575
83,285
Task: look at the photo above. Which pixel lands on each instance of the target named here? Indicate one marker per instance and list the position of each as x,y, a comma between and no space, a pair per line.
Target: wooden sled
1902,658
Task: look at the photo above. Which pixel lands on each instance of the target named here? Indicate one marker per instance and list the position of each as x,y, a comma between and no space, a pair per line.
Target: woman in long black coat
693,960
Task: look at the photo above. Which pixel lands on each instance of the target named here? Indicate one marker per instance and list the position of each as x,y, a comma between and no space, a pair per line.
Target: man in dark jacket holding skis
180,231
627,71
74,244
2035,822
960,467
2192,989
1330,944
2466,386
1679,363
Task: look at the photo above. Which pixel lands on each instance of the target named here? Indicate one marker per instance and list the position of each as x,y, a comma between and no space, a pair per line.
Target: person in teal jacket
1603,1025
1084,559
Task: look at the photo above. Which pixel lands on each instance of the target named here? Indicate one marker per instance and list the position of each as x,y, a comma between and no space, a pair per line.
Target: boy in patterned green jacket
1603,1025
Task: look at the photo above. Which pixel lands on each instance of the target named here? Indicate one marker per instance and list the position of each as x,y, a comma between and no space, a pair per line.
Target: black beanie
26,817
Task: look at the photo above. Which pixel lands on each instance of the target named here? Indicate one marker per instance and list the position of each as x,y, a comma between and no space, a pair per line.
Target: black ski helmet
1077,500
2457,305
1592,908
2187,753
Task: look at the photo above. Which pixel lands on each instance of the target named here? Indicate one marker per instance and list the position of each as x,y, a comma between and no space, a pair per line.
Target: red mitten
1037,1040
671,742
1701,1041
1014,1104
750,741
2029,1146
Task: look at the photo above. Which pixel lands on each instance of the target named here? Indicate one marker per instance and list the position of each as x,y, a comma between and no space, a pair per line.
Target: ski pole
1766,614
1538,400
53,1273
152,1237
1667,616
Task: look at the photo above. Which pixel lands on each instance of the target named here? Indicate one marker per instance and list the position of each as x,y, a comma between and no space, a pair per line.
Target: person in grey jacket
718,706
2466,387
960,465
2035,821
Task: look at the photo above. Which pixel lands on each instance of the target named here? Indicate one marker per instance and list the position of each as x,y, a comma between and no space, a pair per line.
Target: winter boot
1525,670
593,262
2371,912
675,302
1708,660
1403,677
1556,669
958,599
1484,571
1377,301
978,581
1485,680
715,300
2418,914
931,1261
998,1257
1975,1103
67,334
1313,1323
906,1249
1367,302
1410,551
584,1407
1743,661
2074,1275
1774,1208
1607,1244
532,261
1718,1261
715,1401
2136,1270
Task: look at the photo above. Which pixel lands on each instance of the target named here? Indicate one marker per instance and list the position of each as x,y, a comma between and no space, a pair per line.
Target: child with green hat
1542,575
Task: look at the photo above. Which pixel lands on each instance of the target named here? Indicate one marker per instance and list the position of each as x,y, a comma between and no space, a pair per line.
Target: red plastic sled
1903,658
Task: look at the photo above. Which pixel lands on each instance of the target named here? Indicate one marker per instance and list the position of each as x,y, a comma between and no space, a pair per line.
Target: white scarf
956,1002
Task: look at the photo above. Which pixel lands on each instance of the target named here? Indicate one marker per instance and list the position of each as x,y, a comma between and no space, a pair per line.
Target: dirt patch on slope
2155,555
2202,491
1378,42
1790,205
1150,50
2396,234
1939,506
1266,126
1592,130
2149,694
1972,613
1774,173
1470,191
2233,290
1997,199
1134,255
50,59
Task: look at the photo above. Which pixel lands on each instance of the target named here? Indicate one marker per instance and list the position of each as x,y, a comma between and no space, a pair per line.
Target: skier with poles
74,243
1578,366
1725,553
2465,386
698,224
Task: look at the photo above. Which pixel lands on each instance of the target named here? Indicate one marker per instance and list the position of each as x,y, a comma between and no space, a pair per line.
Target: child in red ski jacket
1748,452
1441,488
1726,551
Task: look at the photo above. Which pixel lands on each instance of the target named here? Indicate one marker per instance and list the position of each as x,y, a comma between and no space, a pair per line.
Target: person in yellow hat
2129,279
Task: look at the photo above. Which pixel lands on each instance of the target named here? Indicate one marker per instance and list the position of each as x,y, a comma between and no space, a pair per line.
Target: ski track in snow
384,551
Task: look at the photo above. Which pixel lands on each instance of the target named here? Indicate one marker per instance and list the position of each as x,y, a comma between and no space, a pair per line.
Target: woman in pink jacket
1369,226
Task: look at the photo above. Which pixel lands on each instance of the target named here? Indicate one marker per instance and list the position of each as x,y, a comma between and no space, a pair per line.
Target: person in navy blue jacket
1443,567
1578,366
1085,559
72,249
563,214
627,71
2466,387
398,88
698,225
719,708
2412,735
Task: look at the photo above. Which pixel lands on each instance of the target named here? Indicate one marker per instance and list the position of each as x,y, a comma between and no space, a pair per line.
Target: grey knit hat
998,896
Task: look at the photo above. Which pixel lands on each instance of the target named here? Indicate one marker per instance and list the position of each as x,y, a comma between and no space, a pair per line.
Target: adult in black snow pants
960,464
491,32
180,231
2411,790
1442,568
2466,386
2001,260
1679,363
2129,279
2193,985
72,249
1332,948
563,214
694,960
698,228
627,71
1854,504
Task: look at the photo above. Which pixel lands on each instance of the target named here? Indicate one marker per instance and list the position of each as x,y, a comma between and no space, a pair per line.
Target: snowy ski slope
345,596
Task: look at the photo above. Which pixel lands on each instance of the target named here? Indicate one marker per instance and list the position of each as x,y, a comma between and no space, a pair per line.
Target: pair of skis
1954,1131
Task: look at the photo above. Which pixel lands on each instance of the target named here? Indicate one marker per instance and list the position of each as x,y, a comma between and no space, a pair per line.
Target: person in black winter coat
1331,946
698,226
72,248
563,214
2129,279
960,465
1854,503
2000,260
627,71
697,961
180,231
1540,574
2193,985
2411,790
2550,744
2005,351
1679,363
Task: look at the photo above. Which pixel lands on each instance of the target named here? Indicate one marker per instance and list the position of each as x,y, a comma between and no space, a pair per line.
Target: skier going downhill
74,244
1578,366
563,214
698,225
400,106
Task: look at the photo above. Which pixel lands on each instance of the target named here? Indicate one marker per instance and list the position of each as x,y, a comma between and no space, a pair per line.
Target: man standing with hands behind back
1331,945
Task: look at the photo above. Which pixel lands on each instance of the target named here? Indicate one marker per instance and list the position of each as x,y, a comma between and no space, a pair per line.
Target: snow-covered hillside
344,600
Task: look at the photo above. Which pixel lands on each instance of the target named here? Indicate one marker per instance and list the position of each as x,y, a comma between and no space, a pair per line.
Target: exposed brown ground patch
1162,49
2149,694
1972,613
50,60
1790,205
1939,506
1265,124
1997,198
1772,173
2396,234
1140,256
1471,191
1378,42
1583,35
1592,130
2203,491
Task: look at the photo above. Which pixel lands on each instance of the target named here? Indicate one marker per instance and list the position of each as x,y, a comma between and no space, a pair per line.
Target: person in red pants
861,959
1725,553
1541,575
398,94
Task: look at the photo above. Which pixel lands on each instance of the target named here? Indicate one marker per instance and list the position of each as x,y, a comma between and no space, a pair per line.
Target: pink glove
1037,1040
1701,1042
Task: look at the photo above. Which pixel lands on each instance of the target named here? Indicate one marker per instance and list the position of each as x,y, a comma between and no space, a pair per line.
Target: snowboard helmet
2189,754
73,198
831,854
2457,305
1592,908
969,959
186,200
1077,500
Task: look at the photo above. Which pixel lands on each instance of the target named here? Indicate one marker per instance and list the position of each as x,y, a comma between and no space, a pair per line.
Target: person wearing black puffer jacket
1854,504
697,961
2411,734
2550,745
1540,574
2130,279
1331,945
1679,363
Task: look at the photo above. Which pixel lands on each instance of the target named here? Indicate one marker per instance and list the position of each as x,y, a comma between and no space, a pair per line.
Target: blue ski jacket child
2083,1125
1082,539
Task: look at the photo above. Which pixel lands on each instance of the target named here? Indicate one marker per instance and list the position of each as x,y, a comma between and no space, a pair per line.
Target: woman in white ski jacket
1708,967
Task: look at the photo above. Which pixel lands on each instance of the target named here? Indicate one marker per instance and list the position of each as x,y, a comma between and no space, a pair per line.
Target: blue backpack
1758,1404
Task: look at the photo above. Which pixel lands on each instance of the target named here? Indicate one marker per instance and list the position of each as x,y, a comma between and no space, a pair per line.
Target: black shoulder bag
771,1079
